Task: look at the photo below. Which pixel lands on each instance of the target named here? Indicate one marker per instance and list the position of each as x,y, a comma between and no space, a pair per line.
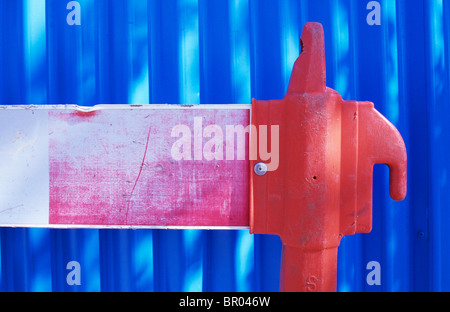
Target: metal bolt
260,169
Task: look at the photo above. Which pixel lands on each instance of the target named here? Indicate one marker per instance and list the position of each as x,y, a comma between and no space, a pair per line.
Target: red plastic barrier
322,188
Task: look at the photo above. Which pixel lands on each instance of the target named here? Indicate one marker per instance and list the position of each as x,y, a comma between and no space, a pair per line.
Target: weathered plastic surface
116,166
322,189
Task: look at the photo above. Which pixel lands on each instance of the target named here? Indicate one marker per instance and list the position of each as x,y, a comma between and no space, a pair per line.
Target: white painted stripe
24,167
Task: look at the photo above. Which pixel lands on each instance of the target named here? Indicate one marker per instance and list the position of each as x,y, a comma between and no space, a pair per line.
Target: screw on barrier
260,169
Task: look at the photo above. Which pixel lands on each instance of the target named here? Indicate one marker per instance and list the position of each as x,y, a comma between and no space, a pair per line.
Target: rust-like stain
88,114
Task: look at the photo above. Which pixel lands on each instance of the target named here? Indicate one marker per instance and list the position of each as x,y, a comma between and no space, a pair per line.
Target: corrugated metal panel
228,51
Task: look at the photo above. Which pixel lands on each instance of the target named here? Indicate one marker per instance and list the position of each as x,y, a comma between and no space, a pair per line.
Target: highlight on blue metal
228,51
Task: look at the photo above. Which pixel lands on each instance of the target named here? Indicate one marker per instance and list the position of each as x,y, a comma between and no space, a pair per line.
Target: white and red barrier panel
154,166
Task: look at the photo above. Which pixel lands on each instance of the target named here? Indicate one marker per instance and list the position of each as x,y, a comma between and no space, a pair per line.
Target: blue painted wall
229,51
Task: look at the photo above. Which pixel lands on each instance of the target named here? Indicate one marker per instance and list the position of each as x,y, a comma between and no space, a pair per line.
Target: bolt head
260,169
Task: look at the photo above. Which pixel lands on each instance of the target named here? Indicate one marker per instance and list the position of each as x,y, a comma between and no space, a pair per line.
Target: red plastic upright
322,188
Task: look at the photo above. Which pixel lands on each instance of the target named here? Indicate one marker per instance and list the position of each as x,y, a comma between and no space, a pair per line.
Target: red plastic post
322,188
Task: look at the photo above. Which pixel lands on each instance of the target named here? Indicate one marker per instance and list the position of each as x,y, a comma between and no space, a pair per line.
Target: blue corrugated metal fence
229,51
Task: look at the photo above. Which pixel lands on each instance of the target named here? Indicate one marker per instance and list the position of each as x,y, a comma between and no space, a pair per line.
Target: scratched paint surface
115,167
